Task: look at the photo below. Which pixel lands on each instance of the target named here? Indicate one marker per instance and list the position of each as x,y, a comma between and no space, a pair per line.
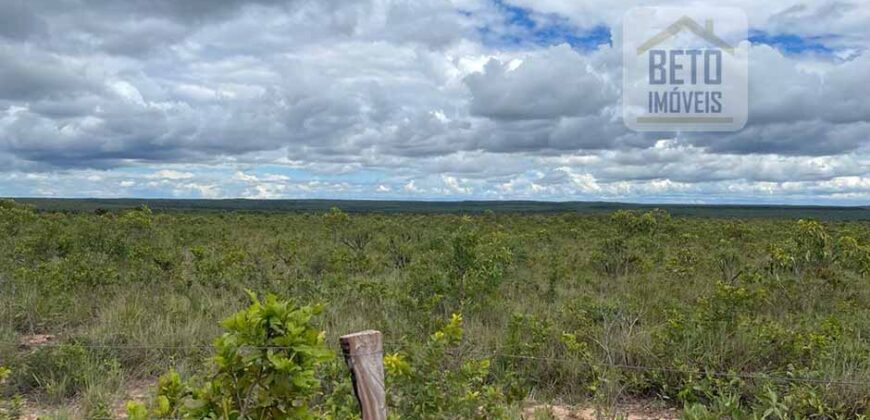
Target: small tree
335,220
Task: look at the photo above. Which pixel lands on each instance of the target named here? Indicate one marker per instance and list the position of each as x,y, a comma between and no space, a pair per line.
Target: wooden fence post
364,355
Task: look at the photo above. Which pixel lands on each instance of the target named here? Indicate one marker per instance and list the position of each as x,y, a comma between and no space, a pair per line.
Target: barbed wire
485,351
144,347
750,375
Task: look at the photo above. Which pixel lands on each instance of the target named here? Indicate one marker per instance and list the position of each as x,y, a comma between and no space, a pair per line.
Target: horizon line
458,201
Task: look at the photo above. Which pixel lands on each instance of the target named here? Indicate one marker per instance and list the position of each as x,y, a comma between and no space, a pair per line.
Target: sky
412,100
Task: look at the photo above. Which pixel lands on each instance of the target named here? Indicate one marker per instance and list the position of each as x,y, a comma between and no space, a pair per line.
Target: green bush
264,366
14,216
430,382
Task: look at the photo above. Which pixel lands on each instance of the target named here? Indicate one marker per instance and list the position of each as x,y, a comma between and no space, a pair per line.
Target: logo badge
685,69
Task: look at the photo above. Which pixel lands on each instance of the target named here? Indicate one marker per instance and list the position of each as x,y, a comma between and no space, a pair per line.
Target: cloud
556,82
171,174
19,21
453,185
411,187
33,75
422,99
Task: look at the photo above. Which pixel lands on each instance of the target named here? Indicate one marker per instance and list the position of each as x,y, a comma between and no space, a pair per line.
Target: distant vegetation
446,207
739,318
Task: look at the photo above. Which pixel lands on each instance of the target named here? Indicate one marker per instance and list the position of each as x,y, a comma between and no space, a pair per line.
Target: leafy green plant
812,247
432,383
614,258
264,367
772,406
728,261
477,264
137,219
853,255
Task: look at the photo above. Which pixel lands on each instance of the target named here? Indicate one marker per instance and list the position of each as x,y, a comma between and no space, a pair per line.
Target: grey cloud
27,75
69,106
842,24
559,82
801,138
140,37
245,27
784,89
187,10
18,21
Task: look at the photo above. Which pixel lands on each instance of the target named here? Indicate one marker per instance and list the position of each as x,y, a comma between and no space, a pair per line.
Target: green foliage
631,247
635,223
335,220
337,401
14,216
10,409
853,255
682,264
264,367
537,351
138,219
476,266
431,383
63,371
813,249
614,258
574,307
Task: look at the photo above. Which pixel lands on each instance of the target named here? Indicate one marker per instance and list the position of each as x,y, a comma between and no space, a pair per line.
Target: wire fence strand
489,352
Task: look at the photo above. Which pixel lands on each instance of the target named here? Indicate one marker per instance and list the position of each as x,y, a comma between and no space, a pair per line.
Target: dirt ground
636,410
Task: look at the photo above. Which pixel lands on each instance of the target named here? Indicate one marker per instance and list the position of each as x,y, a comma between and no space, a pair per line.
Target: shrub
813,246
853,255
335,220
477,265
264,367
432,383
614,258
137,219
631,223
13,216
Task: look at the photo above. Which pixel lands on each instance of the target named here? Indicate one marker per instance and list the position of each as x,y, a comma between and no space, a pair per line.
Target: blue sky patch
523,27
791,43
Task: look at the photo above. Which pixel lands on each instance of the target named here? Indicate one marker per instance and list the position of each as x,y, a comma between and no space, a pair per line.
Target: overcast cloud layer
416,99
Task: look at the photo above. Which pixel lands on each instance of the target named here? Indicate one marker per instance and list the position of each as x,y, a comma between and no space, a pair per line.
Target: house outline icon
706,32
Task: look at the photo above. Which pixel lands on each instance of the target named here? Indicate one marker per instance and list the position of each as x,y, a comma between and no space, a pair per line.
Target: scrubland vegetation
722,318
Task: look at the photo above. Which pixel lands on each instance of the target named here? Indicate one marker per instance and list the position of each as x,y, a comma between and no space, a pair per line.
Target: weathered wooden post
364,355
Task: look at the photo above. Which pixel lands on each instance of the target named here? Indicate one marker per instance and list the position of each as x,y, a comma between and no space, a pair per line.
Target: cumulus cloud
440,98
171,174
557,82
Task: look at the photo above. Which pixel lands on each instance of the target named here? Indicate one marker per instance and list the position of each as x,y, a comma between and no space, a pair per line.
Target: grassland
736,317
